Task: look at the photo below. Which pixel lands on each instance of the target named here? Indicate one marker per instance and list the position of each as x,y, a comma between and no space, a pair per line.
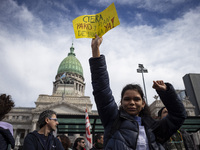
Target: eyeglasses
55,119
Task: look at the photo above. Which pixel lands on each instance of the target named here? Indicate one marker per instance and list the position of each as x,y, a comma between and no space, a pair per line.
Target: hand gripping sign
88,25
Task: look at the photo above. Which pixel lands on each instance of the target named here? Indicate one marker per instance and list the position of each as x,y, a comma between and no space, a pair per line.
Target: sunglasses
55,119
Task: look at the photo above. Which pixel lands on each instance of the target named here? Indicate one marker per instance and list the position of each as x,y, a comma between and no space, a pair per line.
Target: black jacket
180,140
34,142
125,138
188,141
97,146
5,139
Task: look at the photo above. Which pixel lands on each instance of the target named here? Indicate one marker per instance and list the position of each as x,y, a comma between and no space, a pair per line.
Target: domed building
69,74
68,100
68,89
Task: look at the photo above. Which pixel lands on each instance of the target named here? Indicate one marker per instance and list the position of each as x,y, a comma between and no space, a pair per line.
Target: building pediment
61,107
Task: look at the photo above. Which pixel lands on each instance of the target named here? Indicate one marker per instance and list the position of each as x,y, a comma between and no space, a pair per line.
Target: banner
88,25
88,142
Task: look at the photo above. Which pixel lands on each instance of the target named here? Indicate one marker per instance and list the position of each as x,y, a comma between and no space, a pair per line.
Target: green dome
70,64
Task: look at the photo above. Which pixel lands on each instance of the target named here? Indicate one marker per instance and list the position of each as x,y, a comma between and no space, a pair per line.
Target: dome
70,64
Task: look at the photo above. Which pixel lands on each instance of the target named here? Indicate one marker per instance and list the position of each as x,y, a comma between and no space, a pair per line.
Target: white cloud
150,5
169,52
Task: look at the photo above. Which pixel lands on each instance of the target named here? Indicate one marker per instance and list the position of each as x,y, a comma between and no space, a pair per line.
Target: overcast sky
36,35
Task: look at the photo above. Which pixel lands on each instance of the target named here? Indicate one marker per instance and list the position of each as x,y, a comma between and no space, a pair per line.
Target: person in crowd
6,129
43,139
79,144
98,142
65,141
135,128
181,140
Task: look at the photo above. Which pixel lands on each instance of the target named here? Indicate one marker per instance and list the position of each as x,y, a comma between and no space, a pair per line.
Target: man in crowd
181,140
98,143
43,139
79,144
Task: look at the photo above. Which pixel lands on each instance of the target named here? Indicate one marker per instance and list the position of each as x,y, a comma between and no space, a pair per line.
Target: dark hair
98,137
45,114
65,141
76,142
6,104
136,87
160,111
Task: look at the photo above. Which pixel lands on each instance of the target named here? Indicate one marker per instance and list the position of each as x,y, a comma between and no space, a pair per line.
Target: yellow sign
88,25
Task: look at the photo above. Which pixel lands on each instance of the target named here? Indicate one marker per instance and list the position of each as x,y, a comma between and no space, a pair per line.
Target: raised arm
169,98
107,108
176,111
159,85
96,42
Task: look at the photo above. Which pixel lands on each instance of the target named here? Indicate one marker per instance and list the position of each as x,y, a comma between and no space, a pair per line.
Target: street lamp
142,70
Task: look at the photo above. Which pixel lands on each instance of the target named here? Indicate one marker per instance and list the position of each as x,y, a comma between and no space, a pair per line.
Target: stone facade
68,97
157,105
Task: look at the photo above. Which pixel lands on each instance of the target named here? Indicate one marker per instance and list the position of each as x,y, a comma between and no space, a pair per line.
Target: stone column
34,122
26,132
14,133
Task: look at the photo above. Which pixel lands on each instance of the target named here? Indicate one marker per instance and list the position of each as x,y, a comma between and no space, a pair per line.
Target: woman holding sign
130,127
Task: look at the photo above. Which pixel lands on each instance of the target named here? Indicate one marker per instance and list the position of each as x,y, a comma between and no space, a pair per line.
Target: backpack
188,142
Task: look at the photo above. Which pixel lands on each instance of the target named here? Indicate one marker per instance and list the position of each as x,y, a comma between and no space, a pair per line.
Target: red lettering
84,26
79,25
108,27
112,20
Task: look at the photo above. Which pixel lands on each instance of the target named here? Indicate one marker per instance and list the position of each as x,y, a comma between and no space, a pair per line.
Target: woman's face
132,102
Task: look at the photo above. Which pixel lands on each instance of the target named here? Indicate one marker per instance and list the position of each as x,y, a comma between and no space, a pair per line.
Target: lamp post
142,70
63,94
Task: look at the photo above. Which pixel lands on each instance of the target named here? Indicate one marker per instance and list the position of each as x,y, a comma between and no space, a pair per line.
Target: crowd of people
6,129
180,140
128,127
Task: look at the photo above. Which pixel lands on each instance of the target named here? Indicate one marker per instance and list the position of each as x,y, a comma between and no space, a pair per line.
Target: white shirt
142,142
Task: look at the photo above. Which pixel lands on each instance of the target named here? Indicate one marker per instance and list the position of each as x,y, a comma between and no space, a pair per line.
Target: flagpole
87,131
64,89
63,76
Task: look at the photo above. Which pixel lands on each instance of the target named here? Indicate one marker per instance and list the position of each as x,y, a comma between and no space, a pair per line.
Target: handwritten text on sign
88,25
